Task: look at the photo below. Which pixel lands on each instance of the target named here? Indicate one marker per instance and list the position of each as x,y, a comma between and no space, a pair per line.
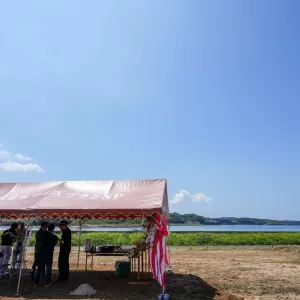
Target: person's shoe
58,280
48,285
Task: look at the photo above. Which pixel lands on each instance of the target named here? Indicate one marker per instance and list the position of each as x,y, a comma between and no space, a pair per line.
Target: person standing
64,252
7,239
18,248
38,238
45,259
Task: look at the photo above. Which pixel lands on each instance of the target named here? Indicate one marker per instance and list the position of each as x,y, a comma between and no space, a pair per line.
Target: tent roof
84,199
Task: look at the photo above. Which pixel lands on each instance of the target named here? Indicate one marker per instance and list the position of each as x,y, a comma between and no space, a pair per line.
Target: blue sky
203,93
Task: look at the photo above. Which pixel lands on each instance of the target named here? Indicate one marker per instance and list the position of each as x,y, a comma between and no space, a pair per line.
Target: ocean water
237,228
198,228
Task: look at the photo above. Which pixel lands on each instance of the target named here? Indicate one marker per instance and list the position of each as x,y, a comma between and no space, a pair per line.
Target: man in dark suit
64,251
38,242
45,257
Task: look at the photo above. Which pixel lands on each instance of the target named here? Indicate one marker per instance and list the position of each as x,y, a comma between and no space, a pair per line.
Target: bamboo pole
79,243
23,255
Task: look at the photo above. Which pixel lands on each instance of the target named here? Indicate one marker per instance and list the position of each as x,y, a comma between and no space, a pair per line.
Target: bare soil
199,273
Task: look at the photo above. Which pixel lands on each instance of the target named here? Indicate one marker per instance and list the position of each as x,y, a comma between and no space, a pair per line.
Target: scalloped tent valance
84,199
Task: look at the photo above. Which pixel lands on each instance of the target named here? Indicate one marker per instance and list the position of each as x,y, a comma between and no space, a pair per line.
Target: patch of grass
192,239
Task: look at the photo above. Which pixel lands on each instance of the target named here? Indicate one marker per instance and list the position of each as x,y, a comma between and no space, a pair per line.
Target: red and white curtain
158,259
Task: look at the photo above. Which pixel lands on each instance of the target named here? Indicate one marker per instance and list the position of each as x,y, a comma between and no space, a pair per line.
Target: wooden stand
140,271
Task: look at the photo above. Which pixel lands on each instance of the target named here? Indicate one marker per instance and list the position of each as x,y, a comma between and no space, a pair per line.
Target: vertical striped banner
157,251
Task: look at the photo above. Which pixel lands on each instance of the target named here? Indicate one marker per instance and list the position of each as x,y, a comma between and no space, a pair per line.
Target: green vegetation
194,239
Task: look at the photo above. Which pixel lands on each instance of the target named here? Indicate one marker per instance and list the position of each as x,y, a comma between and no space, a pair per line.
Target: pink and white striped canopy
84,199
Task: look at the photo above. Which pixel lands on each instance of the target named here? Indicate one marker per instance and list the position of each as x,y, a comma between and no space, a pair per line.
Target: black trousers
44,264
34,262
63,265
34,267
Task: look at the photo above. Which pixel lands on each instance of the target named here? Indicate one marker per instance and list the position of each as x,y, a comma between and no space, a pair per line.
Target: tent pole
79,243
169,244
23,255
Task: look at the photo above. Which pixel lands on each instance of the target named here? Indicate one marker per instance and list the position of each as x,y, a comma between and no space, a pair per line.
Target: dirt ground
199,273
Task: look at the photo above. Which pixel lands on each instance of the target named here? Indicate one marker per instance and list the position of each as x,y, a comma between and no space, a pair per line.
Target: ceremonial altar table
121,251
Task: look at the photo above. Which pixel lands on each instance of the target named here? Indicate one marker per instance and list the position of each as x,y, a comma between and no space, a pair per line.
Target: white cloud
179,197
5,155
201,197
184,196
11,162
21,157
19,167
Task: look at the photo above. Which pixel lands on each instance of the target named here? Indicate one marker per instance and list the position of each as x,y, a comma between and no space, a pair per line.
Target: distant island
193,219
185,219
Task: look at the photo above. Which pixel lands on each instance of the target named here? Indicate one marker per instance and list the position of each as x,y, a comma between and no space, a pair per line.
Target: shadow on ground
109,286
